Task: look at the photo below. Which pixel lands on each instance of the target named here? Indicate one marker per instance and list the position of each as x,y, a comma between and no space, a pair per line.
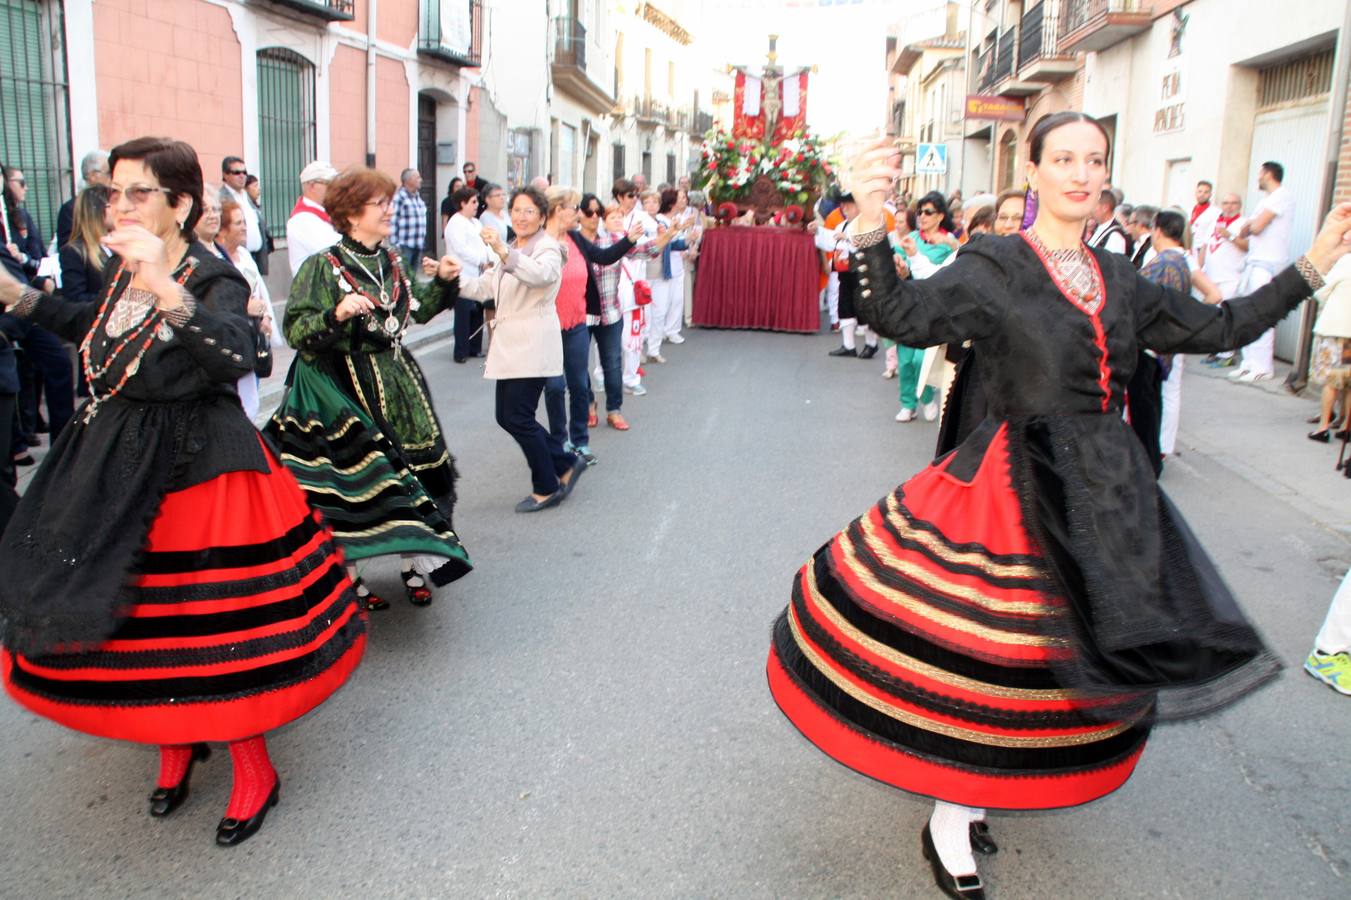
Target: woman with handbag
527,343
233,232
164,580
357,425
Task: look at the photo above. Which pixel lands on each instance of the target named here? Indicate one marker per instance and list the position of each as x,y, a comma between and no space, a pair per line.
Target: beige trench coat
527,340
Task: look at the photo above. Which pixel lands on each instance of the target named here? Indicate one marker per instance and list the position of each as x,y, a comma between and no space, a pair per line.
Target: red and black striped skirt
914,651
242,619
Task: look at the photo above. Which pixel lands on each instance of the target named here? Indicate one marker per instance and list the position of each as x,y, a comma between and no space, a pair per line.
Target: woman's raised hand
353,305
1333,240
871,175
447,268
636,232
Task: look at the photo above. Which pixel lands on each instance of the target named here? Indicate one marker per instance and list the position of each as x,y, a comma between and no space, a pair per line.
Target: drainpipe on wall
1298,378
372,8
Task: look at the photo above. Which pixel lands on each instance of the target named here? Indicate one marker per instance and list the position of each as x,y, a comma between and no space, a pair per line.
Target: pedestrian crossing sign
932,159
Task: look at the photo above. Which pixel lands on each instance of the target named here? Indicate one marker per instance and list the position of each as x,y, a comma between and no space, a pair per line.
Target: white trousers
1257,356
833,296
665,311
1335,635
634,320
1172,406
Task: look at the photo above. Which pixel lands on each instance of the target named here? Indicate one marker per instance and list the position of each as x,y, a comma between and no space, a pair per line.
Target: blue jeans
610,343
568,422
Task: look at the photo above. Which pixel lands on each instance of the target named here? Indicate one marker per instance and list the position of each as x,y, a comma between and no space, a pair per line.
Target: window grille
1294,80
34,119
286,130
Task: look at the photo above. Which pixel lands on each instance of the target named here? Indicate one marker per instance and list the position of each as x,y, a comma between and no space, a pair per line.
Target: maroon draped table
757,278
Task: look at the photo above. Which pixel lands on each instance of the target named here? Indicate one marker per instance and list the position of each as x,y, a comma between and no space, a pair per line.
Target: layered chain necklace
386,302
129,313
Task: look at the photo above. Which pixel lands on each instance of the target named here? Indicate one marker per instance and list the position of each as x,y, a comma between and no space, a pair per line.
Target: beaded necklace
1074,271
386,303
153,317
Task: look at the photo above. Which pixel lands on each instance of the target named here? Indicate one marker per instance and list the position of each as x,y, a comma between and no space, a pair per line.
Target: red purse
642,291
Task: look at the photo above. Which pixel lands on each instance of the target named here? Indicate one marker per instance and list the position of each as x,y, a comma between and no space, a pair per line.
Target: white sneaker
656,358
931,410
1250,377
637,390
905,415
1239,373
675,339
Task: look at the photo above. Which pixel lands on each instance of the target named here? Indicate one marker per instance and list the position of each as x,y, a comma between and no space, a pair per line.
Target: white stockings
950,826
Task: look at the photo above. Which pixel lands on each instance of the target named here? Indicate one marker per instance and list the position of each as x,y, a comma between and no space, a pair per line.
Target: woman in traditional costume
357,426
1001,631
164,580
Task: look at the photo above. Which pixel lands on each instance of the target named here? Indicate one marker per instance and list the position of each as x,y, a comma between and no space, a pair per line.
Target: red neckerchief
303,207
1198,210
1224,223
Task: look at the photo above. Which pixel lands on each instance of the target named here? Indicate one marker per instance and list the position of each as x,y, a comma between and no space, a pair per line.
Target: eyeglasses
590,211
383,204
237,172
1009,218
525,211
928,212
21,182
631,194
138,194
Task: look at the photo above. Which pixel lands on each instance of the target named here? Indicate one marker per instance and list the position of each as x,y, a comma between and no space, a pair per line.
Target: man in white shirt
309,230
234,175
1223,255
1268,235
464,241
1108,234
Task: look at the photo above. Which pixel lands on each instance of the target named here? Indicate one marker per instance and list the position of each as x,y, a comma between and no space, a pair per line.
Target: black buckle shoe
418,594
165,800
843,351
959,887
868,351
233,831
981,841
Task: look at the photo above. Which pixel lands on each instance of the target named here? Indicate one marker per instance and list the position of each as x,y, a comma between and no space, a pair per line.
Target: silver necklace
391,322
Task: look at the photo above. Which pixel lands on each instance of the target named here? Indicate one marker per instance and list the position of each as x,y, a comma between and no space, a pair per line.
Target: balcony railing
329,10
703,121
1005,61
1098,24
1040,57
569,42
452,31
985,70
649,111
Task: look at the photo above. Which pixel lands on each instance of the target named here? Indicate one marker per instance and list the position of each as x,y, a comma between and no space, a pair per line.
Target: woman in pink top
568,415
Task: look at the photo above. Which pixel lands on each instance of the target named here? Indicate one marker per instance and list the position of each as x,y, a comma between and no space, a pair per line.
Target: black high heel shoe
1322,435
959,887
981,841
165,800
234,831
418,594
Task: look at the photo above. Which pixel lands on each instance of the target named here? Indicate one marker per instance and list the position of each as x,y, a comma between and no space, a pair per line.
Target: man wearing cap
309,229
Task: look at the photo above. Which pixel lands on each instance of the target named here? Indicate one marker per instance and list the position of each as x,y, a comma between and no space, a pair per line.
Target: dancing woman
357,426
164,580
1001,631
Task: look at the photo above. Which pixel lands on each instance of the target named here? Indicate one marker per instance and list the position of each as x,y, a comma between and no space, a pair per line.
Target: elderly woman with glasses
165,581
357,425
527,346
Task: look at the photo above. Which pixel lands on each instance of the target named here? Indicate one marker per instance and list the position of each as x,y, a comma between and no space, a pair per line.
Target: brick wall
169,67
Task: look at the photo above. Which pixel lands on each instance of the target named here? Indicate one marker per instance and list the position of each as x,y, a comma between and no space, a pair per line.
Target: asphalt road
586,715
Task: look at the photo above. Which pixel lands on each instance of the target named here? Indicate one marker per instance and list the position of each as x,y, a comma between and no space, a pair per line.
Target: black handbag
262,350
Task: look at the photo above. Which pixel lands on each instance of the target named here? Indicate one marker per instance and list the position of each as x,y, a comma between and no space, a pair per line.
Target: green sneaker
1333,669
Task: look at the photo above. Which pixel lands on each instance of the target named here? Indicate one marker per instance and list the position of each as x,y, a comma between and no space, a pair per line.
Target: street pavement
586,715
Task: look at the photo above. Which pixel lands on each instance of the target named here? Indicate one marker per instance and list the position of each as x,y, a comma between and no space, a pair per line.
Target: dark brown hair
621,187
351,191
534,196
983,217
1046,124
174,164
668,200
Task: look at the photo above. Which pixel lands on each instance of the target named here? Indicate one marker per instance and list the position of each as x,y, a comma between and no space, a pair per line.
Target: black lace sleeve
962,301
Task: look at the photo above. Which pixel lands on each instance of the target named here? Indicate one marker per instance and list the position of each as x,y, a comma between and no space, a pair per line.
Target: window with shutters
34,119
617,154
286,130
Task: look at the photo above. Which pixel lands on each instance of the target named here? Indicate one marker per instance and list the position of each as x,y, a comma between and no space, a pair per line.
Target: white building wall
1218,90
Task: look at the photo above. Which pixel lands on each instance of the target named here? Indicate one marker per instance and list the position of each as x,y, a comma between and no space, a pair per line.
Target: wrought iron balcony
1039,55
1007,53
703,122
1090,25
984,74
328,10
568,66
452,31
